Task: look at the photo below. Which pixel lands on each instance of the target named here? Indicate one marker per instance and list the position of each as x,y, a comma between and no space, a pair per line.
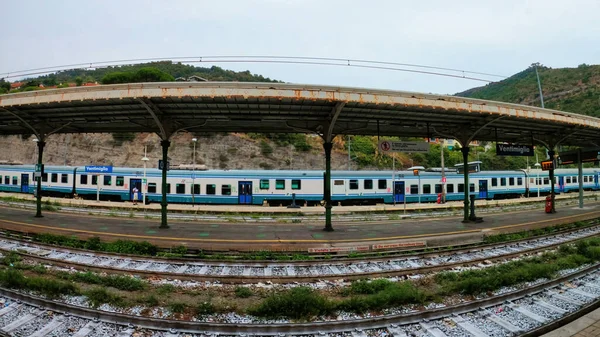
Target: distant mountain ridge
567,89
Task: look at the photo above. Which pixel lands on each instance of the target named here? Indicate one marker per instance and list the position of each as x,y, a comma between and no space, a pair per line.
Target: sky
496,37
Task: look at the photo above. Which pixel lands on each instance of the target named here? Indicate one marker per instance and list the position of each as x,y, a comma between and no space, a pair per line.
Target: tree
4,86
78,81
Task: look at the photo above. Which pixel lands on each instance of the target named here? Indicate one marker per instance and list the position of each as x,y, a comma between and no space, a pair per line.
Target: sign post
514,150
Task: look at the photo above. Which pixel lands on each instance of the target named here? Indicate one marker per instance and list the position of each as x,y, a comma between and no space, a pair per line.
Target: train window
264,184
107,180
368,184
450,188
279,184
538,181
461,188
151,187
7,180
168,188
296,184
211,189
353,184
64,178
382,184
574,180
531,180
511,181
520,181
568,180
546,181
502,181
196,189
426,189
54,177
120,181
414,189
180,188
494,181
226,189
83,179
94,180
338,182
471,187
45,177
438,188
15,180
585,179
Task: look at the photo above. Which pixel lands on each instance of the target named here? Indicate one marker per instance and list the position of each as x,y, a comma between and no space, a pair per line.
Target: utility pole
443,174
348,152
535,65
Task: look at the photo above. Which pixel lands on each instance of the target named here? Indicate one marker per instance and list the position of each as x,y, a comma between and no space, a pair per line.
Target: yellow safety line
287,241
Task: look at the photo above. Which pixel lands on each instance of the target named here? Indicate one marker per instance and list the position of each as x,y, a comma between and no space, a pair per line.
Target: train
279,187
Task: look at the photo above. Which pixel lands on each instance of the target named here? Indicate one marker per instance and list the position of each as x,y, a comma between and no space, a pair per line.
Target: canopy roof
165,108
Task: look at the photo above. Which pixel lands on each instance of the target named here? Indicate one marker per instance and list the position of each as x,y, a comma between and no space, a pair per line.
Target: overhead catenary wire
300,60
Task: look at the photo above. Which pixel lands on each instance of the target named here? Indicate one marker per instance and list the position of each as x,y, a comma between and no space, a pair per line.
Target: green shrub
120,282
177,307
98,296
205,308
243,292
265,148
370,287
166,289
296,303
93,243
131,247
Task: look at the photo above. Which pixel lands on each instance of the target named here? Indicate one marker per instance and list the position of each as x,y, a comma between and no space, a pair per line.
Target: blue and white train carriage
277,187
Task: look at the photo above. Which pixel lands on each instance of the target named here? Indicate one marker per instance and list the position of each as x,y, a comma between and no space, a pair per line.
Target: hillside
568,89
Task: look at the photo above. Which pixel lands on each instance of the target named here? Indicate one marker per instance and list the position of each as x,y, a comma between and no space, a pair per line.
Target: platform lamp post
537,180
194,169
145,181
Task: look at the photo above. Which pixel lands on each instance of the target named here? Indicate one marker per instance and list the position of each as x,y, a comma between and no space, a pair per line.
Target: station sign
514,150
99,169
39,168
408,147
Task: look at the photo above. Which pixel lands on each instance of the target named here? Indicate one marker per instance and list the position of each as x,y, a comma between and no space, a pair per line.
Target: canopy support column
163,203
551,176
38,197
327,187
580,177
327,146
465,151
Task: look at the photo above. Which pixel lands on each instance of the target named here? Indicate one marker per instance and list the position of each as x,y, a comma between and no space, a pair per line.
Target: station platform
305,235
586,326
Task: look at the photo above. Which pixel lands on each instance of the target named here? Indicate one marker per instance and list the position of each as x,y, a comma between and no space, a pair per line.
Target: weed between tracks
299,303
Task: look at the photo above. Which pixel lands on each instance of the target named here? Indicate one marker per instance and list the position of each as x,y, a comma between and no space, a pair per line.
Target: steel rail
233,279
291,328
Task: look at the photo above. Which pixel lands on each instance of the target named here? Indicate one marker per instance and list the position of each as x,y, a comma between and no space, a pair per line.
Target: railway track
529,311
288,271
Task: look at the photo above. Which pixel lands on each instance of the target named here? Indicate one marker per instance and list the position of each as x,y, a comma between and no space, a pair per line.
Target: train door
245,192
135,183
399,191
24,183
561,184
483,189
596,180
